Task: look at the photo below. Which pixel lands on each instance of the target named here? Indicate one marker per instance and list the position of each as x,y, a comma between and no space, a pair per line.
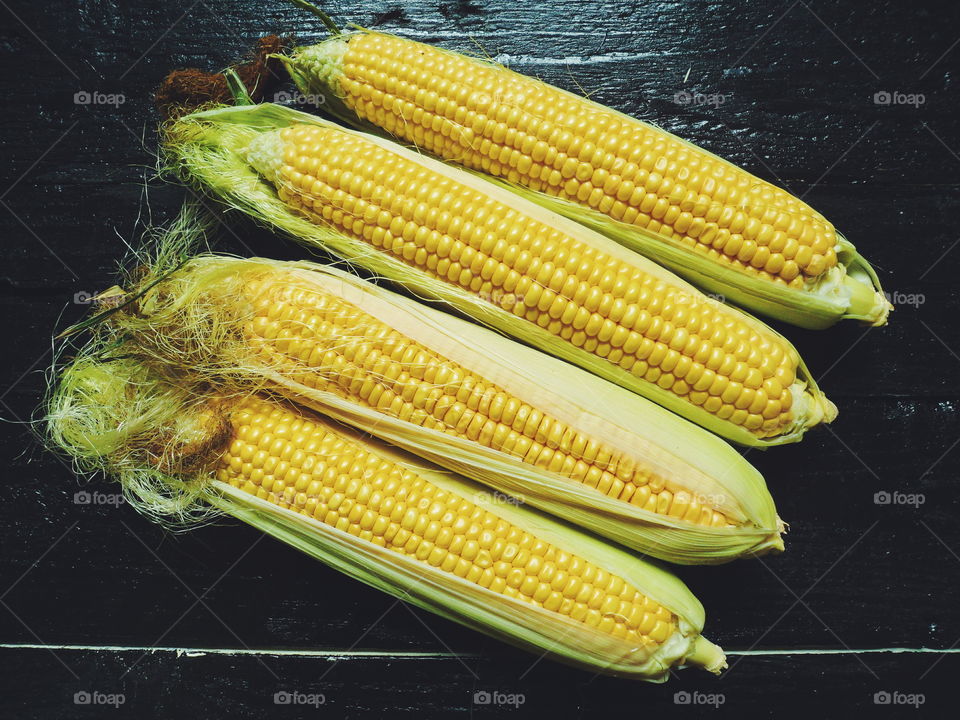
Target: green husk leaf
326,19
238,90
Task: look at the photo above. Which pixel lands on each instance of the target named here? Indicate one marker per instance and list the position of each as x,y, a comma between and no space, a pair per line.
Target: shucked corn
303,464
531,133
588,451
330,345
665,335
455,237
546,140
428,537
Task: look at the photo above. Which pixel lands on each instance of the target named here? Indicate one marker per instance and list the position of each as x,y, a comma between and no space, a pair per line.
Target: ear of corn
451,236
372,512
462,396
710,221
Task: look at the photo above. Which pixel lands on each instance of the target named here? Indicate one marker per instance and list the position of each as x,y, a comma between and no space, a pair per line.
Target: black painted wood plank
786,90
127,684
857,564
916,355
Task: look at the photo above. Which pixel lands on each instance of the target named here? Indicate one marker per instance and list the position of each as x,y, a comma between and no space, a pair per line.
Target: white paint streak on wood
415,655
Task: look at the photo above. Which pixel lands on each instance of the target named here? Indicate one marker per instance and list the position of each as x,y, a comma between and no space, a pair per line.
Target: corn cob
451,236
710,221
461,396
371,512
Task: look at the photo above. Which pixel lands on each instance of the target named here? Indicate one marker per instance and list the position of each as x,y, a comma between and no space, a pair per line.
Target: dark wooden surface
864,601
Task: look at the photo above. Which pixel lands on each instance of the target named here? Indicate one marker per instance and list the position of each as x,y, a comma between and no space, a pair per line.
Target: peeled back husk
201,318
223,151
848,290
167,440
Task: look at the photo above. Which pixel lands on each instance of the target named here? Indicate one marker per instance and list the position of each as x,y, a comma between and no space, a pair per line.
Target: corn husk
210,148
193,320
160,439
851,290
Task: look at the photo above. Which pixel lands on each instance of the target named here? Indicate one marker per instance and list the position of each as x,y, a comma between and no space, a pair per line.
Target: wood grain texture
789,94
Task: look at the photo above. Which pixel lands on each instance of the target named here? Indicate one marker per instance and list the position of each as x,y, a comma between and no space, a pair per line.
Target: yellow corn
452,236
663,333
371,512
547,140
303,464
330,345
500,413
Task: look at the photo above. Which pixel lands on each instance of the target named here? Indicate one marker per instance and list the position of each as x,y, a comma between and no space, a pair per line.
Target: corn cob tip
813,406
880,310
867,303
772,543
324,60
265,154
707,655
775,541
822,410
